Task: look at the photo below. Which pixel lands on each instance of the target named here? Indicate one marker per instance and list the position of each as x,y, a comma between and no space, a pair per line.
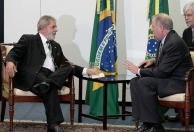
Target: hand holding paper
93,72
98,75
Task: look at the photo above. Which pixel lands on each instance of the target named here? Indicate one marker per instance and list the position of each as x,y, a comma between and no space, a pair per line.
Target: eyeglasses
188,15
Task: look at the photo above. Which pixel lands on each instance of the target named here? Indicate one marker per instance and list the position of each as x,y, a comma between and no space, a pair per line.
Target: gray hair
164,20
44,21
188,6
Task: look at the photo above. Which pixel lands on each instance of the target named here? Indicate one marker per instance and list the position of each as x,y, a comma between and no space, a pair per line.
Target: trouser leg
60,75
144,100
135,99
52,105
50,98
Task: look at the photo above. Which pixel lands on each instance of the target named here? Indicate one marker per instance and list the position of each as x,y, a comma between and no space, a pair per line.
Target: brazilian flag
104,54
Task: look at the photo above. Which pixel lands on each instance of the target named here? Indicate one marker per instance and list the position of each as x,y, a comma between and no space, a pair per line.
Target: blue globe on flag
151,48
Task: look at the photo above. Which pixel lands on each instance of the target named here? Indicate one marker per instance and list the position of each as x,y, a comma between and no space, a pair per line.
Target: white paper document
98,76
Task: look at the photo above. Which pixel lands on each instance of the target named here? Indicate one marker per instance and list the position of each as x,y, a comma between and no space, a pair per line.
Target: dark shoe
166,117
143,128
152,129
55,129
173,118
191,117
42,87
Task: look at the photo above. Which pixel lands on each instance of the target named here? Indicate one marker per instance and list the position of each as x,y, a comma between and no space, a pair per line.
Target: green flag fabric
155,7
104,53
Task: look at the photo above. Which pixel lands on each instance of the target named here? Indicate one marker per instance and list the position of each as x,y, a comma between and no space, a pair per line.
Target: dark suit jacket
29,55
187,37
174,61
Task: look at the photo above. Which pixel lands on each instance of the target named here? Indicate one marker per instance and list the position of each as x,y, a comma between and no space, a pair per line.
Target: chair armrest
151,66
5,48
142,66
189,74
70,82
191,48
189,89
5,75
65,63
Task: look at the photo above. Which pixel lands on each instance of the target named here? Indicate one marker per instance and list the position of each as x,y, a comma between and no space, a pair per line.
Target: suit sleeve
172,55
78,69
18,50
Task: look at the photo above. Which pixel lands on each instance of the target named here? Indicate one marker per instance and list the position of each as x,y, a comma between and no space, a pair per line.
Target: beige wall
177,17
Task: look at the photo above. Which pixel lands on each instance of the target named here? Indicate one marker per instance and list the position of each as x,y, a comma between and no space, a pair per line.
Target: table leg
123,99
80,101
105,107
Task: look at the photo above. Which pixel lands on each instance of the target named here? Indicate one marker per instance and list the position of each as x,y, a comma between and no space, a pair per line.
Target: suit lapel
191,35
40,44
168,36
157,58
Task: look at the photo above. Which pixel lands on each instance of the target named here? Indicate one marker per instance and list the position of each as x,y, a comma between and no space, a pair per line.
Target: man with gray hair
172,61
188,33
39,71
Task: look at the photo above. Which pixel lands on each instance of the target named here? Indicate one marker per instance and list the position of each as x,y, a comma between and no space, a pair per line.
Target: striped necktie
50,50
160,49
159,52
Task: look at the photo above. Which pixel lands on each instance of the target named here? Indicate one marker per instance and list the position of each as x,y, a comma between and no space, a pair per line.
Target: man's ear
43,28
161,27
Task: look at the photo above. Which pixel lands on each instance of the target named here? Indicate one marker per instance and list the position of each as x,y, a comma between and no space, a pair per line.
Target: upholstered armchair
13,94
182,102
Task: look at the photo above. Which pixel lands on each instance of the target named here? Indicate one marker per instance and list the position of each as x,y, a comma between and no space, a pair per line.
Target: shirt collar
163,40
43,38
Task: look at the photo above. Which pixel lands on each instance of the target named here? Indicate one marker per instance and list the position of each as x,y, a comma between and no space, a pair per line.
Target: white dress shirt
48,63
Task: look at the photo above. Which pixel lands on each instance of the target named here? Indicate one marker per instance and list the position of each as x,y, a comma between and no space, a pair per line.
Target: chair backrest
192,81
192,56
5,48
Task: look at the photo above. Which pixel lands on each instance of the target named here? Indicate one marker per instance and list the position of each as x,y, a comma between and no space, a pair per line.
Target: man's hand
11,69
92,72
130,66
146,63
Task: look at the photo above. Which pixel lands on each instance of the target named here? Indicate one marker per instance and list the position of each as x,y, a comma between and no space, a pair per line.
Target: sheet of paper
98,76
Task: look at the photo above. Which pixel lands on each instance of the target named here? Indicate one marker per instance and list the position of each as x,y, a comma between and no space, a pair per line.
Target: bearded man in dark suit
172,61
38,69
